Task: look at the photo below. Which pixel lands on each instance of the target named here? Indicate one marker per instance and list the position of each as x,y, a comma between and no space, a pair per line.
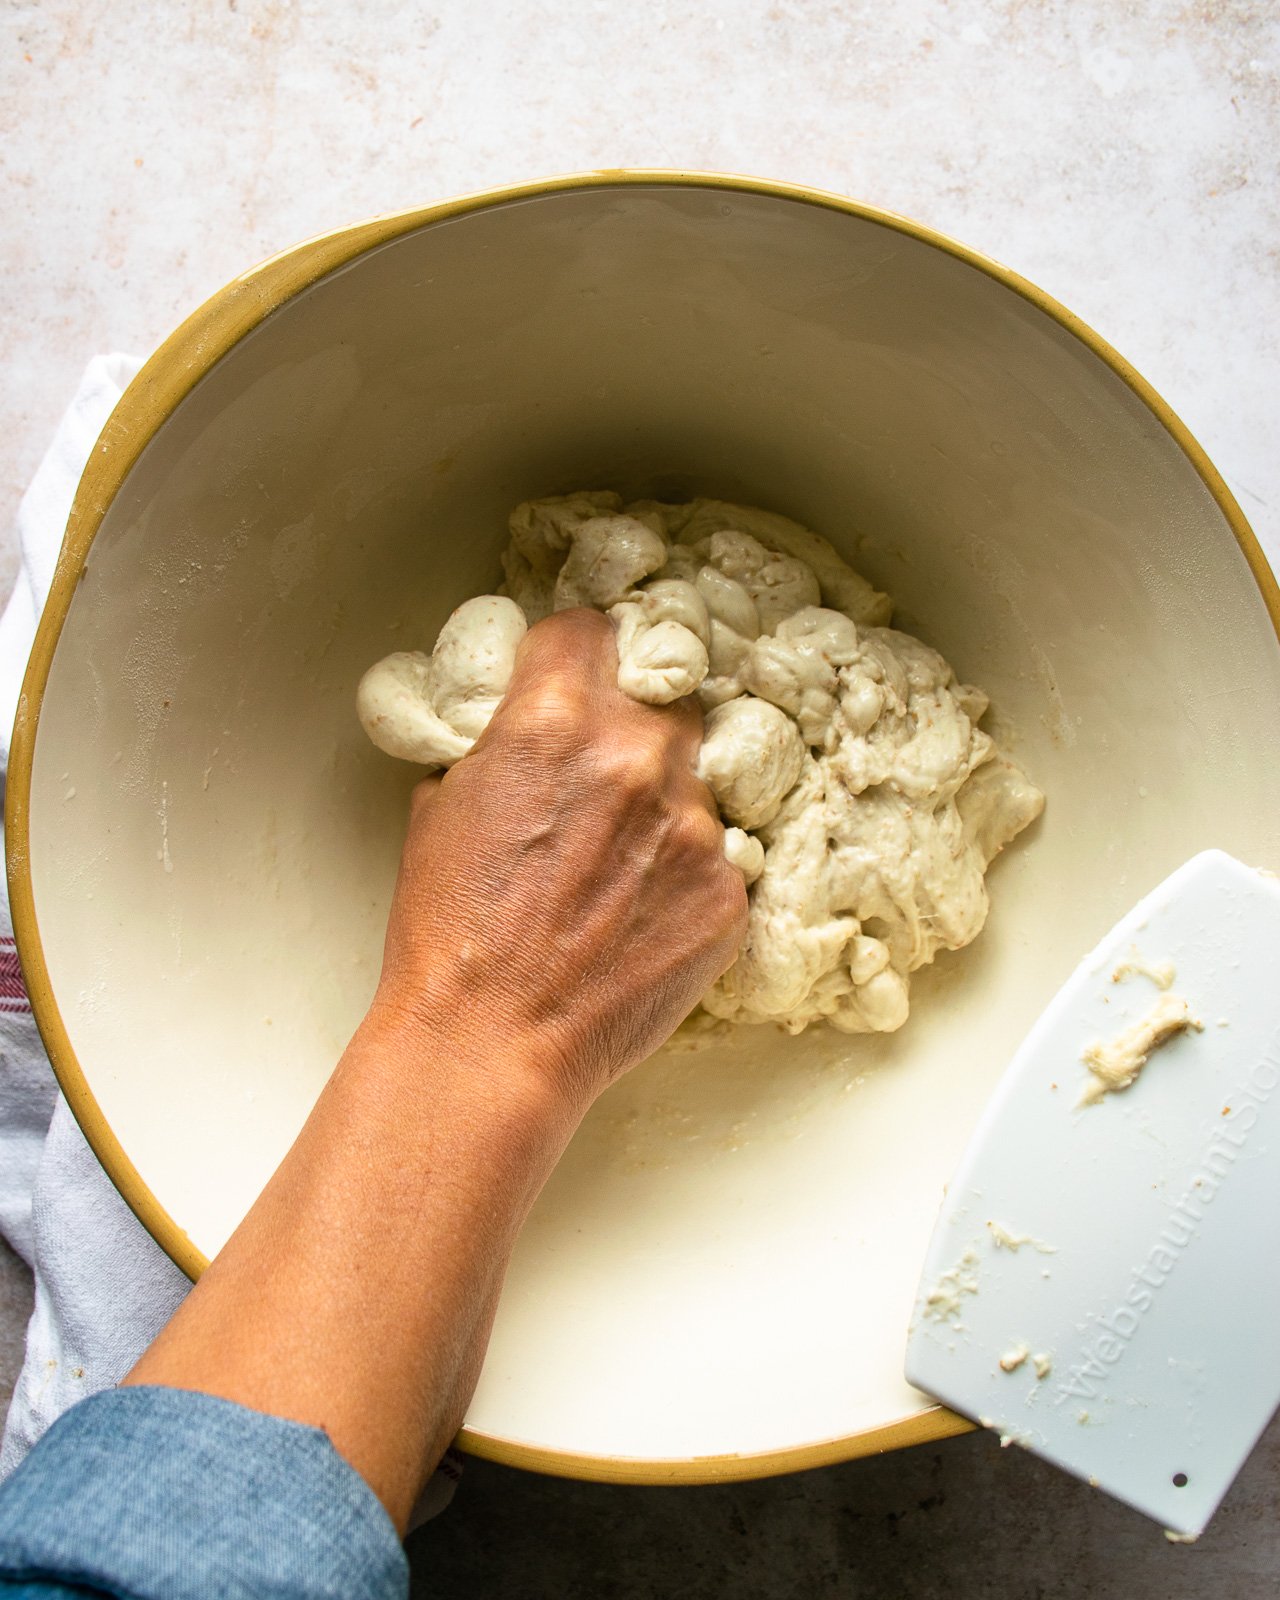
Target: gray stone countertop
1122,155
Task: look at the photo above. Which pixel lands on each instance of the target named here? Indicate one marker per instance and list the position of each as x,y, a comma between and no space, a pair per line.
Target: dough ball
432,709
541,530
779,585
393,703
674,600
607,558
744,851
729,603
657,662
473,660
750,759
796,668
840,586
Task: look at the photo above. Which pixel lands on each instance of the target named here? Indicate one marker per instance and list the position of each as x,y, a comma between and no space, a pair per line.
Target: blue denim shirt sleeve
161,1494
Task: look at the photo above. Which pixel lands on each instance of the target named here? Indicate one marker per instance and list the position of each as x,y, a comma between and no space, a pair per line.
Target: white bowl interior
726,1260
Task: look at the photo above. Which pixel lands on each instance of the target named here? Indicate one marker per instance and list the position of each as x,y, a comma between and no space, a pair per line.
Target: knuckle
566,637
579,621
700,832
566,647
633,764
550,719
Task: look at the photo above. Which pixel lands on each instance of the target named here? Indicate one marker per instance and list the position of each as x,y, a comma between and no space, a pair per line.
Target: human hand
563,896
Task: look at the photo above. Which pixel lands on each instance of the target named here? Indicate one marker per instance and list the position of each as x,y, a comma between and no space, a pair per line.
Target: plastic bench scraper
1103,1283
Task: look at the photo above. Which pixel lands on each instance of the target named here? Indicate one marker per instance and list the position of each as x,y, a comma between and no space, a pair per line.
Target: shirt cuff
165,1494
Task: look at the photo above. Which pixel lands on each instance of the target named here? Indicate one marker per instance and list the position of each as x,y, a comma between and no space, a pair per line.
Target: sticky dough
862,801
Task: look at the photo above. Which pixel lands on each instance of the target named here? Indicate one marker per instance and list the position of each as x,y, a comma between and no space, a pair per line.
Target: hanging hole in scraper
1179,1480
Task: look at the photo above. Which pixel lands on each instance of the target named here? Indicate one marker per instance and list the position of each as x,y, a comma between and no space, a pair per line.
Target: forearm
357,1295
565,887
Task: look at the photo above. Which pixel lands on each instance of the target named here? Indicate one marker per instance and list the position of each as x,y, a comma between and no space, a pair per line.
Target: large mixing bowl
318,466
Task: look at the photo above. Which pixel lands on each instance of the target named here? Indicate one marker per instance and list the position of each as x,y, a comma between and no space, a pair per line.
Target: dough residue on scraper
1136,965
1004,1239
944,1302
1014,1357
862,800
1114,1065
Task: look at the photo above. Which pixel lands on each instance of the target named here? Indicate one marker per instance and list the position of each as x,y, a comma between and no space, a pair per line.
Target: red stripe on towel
13,992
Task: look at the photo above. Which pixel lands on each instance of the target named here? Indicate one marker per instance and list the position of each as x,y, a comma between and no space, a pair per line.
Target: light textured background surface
1121,154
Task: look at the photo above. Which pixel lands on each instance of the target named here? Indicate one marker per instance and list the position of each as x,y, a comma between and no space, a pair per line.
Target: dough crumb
1180,1538
1014,1358
1161,973
943,1302
1015,1436
1115,1065
1043,1363
862,799
1003,1239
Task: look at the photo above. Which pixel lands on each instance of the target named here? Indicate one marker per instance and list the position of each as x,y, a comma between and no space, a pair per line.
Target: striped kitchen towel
103,1287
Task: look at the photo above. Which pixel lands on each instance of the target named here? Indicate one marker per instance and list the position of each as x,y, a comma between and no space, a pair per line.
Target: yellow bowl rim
155,393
